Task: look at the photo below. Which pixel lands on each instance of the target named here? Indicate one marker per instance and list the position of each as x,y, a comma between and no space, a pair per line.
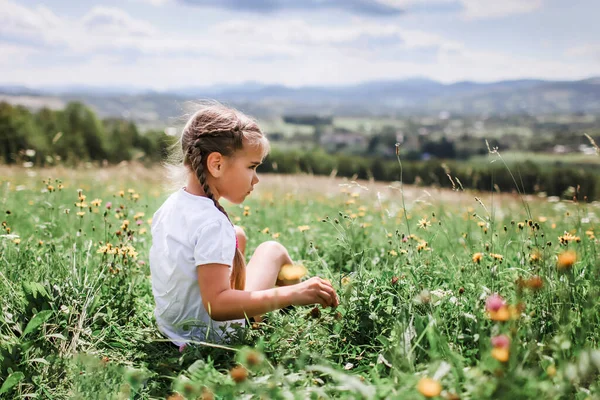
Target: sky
173,44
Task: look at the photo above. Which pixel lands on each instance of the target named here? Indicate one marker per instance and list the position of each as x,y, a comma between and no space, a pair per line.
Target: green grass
77,323
513,157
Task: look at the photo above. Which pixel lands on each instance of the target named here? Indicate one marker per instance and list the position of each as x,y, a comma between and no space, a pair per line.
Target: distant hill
410,96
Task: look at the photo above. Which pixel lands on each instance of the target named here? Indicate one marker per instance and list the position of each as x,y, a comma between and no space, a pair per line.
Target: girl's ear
214,163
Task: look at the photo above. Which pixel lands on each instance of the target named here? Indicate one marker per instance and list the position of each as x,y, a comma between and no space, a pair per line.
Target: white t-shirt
188,231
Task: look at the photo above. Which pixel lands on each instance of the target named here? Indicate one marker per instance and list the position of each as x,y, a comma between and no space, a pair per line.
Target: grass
77,320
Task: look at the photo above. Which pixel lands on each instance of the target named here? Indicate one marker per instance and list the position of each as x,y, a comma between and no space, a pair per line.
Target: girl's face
239,174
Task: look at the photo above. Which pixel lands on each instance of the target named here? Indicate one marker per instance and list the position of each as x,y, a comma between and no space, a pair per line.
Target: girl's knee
275,250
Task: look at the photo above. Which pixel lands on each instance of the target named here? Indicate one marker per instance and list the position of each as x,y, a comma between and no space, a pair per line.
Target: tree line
74,135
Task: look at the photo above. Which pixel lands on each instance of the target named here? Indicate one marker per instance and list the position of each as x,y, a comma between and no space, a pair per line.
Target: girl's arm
223,303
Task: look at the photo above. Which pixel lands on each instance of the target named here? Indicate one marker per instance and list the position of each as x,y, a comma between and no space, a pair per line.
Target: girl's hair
218,128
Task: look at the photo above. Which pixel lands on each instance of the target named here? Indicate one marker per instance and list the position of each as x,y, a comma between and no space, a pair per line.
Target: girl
197,262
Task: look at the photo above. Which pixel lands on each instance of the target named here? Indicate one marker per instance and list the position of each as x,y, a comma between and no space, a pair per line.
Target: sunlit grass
457,297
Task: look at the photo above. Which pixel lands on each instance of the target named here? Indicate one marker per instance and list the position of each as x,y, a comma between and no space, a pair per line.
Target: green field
412,323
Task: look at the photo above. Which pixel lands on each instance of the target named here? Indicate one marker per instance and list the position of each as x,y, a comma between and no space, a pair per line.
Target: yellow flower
393,253
290,272
350,201
135,196
501,354
423,223
355,194
41,243
246,208
345,280
121,193
130,191
477,257
61,187
149,221
80,214
362,208
266,230
481,224
246,213
568,237
125,224
83,204
50,188
498,257
96,202
422,246
543,219
429,387
16,241
535,257
142,231
275,235
361,214
303,228
82,197
566,260
138,216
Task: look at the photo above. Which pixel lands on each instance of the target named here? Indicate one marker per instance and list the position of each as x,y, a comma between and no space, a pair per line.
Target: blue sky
163,44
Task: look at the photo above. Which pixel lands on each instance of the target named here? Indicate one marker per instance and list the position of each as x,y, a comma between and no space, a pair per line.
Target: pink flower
108,205
501,341
494,303
182,347
139,222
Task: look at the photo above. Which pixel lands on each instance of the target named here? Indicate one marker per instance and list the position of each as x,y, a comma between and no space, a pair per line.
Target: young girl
199,278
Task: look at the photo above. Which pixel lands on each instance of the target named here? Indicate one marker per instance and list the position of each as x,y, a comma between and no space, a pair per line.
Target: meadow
443,294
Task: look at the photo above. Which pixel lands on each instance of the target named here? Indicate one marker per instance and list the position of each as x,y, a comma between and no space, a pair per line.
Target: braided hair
217,128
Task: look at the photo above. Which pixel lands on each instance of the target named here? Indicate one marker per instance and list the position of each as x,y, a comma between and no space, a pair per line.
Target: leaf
11,381
37,320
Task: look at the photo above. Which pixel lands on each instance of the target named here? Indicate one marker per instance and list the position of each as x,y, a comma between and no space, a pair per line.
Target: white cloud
588,50
478,9
113,21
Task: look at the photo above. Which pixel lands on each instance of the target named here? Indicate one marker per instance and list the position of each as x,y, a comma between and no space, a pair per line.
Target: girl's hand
314,290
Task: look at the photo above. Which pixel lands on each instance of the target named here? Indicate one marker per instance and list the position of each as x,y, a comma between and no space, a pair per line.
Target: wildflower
534,283
149,221
67,210
142,231
429,387
80,214
16,241
303,228
139,222
135,196
266,230
424,223
501,341
50,188
138,216
82,204
275,235
566,260
551,371
346,280
481,224
422,246
96,202
568,237
82,197
355,194
501,354
125,225
41,243
350,202
238,374
521,225
477,257
246,213
362,208
501,315
290,272
543,219
535,257
590,234
253,358
393,253
395,280
130,191
121,193
498,257
494,303
108,205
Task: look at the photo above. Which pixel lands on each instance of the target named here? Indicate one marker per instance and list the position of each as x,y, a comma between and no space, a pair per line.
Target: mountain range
393,97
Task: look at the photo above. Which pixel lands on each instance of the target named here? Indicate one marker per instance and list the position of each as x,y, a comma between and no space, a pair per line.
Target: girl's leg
264,266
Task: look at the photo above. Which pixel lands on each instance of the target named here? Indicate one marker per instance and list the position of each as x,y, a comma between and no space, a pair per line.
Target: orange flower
429,387
239,374
501,354
566,259
502,314
477,257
